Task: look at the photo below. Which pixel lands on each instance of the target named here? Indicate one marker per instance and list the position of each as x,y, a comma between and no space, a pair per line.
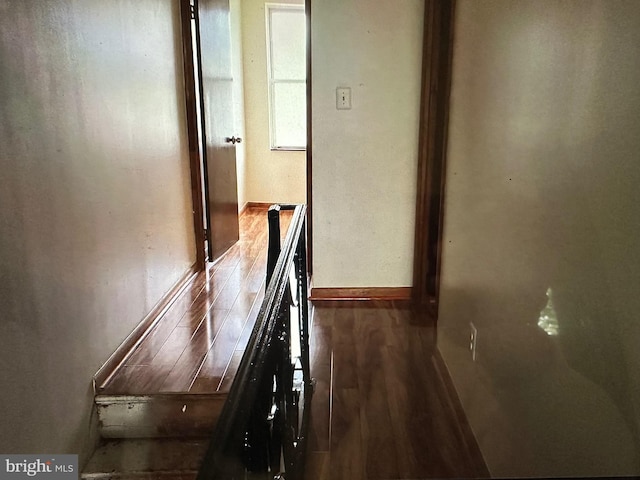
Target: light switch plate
343,98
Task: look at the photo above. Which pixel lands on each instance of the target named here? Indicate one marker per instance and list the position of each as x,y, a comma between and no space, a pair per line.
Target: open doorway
274,39
264,85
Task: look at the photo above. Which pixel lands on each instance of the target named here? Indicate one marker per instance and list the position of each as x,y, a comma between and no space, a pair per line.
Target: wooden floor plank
150,345
375,417
138,379
241,319
221,351
209,285
171,351
230,372
321,359
251,320
256,279
186,368
317,467
193,318
400,420
178,343
216,283
410,417
345,460
344,353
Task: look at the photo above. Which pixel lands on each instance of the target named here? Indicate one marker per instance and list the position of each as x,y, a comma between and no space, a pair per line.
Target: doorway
274,71
266,167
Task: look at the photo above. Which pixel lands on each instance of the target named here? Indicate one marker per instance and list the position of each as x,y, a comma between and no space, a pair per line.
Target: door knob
233,140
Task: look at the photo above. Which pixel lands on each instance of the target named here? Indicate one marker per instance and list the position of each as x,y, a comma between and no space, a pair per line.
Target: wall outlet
473,341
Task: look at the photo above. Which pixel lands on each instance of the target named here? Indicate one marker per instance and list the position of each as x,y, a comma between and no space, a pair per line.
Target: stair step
158,415
129,459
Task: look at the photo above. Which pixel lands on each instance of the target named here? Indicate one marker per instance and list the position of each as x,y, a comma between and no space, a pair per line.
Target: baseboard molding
466,432
141,330
361,293
261,205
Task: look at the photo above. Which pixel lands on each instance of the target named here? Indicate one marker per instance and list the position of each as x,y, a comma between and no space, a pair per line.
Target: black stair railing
261,431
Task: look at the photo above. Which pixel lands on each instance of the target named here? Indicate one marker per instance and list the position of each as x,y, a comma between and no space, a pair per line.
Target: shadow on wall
551,352
540,235
550,347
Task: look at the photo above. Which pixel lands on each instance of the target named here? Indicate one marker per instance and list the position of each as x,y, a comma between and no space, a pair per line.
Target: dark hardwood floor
383,407
197,345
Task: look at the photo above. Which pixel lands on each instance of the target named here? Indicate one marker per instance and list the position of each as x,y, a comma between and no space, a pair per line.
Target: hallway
197,345
383,406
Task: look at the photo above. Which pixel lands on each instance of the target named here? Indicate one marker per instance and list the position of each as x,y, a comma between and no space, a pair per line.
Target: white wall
271,176
237,71
365,159
95,201
542,192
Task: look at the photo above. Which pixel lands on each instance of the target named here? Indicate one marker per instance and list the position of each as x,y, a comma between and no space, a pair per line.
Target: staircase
153,436
219,330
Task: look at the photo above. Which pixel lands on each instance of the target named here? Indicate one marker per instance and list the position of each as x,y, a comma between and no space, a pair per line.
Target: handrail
261,431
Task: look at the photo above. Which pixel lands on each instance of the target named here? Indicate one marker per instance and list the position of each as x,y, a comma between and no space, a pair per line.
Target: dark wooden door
217,102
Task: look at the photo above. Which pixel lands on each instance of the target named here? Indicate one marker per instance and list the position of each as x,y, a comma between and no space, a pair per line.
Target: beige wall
237,71
365,159
271,176
542,192
95,203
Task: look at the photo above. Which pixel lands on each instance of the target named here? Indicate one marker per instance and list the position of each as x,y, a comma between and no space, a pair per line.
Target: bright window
287,72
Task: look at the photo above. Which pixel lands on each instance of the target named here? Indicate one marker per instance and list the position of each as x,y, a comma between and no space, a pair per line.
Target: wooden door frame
432,151
195,161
